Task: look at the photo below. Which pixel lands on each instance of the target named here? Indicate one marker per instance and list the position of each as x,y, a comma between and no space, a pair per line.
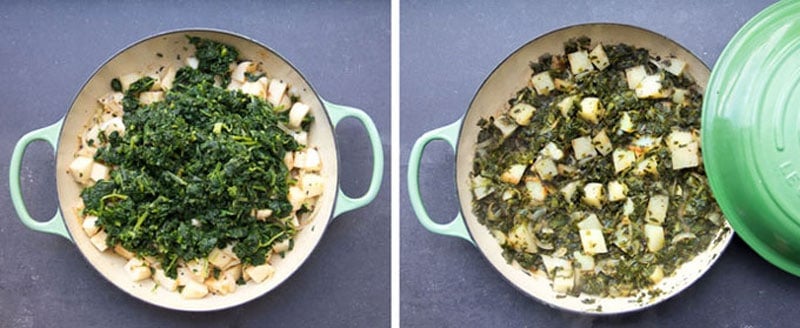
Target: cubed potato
161,279
623,159
617,191
644,144
99,172
81,169
563,85
288,159
579,62
551,150
628,207
219,258
563,284
149,97
99,241
650,87
113,125
521,238
583,148
567,170
583,262
591,110
136,269
199,269
599,58
168,79
297,114
192,62
680,96
593,194
536,190
238,73
565,106
514,174
657,275
312,184
308,159
626,123
569,190
590,222
90,225
260,273
301,137
546,168
505,125
543,83
225,283
263,214
184,276
281,246
674,66
654,234
112,104
592,241
481,187
124,252
677,139
602,143
234,85
128,79
254,89
647,166
276,91
657,209
685,157
296,197
194,290
557,266
634,76
521,113
91,137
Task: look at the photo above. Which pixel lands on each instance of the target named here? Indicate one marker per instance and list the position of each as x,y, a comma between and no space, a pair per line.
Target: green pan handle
456,227
345,203
56,224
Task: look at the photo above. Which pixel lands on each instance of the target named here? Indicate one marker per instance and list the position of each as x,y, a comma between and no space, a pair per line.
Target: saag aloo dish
593,174
198,174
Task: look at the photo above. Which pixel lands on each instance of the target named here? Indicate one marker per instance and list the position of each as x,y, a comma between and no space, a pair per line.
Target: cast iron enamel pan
141,56
490,99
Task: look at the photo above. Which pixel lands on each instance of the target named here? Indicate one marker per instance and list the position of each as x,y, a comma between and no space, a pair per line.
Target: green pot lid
750,134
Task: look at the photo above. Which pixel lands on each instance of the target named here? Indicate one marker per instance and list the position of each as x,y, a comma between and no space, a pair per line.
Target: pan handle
456,227
345,203
56,224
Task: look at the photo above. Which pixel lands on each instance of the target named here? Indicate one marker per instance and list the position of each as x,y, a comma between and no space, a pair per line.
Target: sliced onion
683,236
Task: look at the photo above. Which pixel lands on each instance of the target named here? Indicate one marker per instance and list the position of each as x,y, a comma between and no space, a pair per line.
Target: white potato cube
505,125
136,269
654,234
500,236
583,148
238,73
521,113
128,79
543,83
312,184
260,273
680,96
592,241
657,275
648,165
124,252
556,266
628,207
90,225
602,143
481,187
563,85
194,290
579,62
617,191
514,174
591,110
563,284
192,62
234,85
644,144
678,139
551,150
161,279
99,241
593,194
296,197
281,246
301,137
634,76
657,209
275,91
113,125
626,123
674,66
546,168
226,282
288,159
168,79
599,58
584,262
590,222
536,190
81,169
149,97
565,106
254,89
521,239
623,159
650,87
99,172
687,156
198,269
262,214
569,190
219,258
297,113
92,137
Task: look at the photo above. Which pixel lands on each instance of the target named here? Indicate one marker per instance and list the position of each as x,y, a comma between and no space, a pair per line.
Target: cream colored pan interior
143,57
492,97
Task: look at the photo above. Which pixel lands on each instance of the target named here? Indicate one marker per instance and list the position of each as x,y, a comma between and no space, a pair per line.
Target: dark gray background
447,50
47,51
